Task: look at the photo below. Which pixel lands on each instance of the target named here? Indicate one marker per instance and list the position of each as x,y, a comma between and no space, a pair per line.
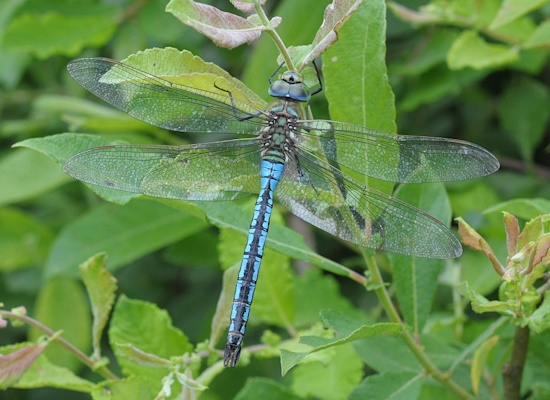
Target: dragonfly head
290,85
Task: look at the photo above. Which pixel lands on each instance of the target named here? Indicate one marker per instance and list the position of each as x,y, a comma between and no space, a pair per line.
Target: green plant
429,344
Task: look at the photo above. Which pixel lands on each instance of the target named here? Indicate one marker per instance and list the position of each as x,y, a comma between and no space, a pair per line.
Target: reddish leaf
245,5
540,254
473,240
13,365
512,233
336,14
223,28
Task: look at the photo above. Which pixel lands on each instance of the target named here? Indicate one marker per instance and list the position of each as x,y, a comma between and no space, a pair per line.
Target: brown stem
513,369
104,371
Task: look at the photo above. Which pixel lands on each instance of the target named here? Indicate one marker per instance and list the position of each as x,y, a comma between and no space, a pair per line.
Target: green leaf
273,301
42,373
525,121
26,174
366,98
62,305
24,241
481,305
474,196
416,284
479,360
139,357
522,208
434,53
471,50
387,354
197,251
53,33
533,229
539,321
331,381
185,68
101,287
220,321
265,389
134,388
336,15
478,271
540,391
155,25
482,337
62,146
470,294
438,83
416,278
390,385
313,292
514,9
541,36
126,233
224,29
149,329
347,329
360,53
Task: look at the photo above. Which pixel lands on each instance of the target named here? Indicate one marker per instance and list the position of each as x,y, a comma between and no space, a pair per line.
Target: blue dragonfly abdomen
270,173
278,139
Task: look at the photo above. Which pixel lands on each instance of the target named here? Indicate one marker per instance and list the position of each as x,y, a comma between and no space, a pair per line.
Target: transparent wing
162,103
213,171
396,158
325,197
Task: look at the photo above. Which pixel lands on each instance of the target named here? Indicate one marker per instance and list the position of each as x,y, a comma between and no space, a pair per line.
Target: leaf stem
393,315
104,371
274,35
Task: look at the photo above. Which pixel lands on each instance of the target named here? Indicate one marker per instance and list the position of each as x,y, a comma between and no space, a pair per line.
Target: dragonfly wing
397,158
213,171
163,103
325,197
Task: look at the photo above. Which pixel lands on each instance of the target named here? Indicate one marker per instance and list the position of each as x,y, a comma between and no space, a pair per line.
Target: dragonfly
308,161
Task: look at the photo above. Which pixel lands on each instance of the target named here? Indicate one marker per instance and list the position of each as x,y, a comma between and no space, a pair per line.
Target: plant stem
104,371
274,35
513,370
393,315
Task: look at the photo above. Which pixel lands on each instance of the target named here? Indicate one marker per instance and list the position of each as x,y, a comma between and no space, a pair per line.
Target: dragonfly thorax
290,85
279,136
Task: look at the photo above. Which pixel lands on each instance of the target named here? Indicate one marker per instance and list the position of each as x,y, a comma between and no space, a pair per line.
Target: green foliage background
463,77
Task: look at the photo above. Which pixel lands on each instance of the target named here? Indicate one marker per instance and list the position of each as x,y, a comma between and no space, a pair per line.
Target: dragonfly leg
273,74
316,90
318,79
239,118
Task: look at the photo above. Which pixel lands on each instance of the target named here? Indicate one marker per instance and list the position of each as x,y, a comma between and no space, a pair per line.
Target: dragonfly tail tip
231,355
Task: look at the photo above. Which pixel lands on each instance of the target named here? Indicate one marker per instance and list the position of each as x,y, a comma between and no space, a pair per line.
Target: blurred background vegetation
502,104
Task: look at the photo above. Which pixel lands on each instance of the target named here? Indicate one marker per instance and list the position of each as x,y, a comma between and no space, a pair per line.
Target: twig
104,371
513,370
